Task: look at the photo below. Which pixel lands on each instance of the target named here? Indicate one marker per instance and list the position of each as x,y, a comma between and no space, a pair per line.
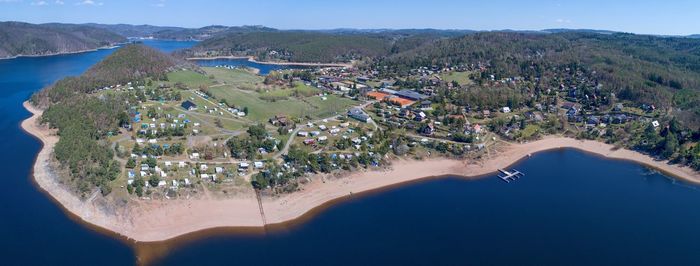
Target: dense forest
43,39
84,120
299,46
206,32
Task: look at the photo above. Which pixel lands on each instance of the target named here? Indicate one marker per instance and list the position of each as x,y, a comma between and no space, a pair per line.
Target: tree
131,163
401,149
670,145
259,181
153,181
257,132
151,162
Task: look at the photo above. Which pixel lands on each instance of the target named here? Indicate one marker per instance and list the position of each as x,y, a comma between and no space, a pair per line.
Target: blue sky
673,17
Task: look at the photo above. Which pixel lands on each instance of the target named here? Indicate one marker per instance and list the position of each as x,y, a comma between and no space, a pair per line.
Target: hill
578,31
130,63
138,31
24,39
297,46
206,32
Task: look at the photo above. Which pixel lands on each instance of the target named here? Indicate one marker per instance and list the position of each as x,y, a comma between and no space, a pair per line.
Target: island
151,146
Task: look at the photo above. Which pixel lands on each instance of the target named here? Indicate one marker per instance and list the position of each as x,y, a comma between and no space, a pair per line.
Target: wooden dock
508,176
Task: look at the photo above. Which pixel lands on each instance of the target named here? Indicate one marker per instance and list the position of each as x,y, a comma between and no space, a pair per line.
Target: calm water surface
570,209
264,68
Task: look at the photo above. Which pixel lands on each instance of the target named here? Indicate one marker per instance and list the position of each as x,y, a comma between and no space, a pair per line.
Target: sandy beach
158,220
252,59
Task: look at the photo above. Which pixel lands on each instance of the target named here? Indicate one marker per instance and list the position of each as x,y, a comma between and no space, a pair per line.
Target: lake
571,208
264,68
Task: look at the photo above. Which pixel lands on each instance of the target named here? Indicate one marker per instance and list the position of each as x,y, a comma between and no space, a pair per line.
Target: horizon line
544,30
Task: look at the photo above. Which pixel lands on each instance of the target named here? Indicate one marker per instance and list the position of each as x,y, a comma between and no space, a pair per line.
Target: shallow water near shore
571,208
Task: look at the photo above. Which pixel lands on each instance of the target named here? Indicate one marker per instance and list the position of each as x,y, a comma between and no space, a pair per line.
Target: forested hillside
206,32
298,46
128,30
130,63
19,38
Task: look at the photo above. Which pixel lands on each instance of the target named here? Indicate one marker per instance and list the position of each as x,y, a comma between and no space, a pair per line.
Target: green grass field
261,110
299,90
238,78
460,77
208,120
190,78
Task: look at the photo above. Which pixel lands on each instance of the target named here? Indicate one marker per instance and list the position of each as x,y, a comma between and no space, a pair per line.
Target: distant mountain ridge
137,31
175,33
207,32
24,39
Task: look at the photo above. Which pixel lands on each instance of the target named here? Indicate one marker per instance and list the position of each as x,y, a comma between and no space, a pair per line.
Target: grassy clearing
299,90
238,78
228,121
529,131
460,77
260,110
190,78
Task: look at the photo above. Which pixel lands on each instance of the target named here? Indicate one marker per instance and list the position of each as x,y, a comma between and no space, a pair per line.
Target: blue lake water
570,209
264,68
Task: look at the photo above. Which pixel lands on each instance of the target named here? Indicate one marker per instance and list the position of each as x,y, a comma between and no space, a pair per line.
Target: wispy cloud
59,2
160,3
88,3
563,21
10,1
39,3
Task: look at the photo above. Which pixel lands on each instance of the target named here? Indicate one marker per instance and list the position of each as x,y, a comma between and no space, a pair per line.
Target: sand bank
158,220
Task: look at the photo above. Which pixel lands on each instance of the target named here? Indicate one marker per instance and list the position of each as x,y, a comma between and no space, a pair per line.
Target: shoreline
152,221
64,53
253,60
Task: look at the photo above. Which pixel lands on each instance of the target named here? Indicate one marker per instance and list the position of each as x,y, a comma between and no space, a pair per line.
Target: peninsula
151,146
162,220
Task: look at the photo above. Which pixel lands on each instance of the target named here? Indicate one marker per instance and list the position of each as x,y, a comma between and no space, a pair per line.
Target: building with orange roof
377,95
401,102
